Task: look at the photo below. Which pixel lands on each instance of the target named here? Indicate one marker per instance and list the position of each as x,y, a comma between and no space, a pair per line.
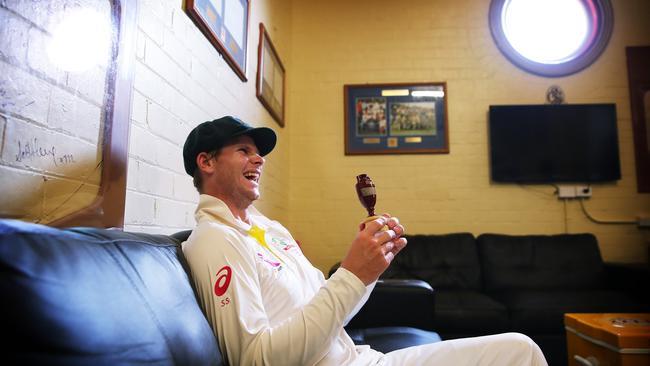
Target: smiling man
264,300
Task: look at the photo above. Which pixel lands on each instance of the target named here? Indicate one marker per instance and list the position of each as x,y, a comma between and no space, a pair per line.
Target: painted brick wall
180,81
50,119
380,41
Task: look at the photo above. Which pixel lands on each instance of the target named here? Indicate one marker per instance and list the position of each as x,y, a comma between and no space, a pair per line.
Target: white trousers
507,349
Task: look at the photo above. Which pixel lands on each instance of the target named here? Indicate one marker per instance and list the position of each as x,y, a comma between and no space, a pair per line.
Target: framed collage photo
270,83
225,25
396,118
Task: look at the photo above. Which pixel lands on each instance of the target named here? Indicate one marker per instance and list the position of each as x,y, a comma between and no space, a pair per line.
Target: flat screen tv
567,143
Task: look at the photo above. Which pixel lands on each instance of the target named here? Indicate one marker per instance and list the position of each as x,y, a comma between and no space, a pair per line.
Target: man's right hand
373,249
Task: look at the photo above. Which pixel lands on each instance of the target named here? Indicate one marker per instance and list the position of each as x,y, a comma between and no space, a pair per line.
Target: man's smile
253,176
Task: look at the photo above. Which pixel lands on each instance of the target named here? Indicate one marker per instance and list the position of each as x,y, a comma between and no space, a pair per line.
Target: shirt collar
211,208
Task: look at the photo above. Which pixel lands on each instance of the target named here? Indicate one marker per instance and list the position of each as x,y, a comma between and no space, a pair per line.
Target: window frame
605,25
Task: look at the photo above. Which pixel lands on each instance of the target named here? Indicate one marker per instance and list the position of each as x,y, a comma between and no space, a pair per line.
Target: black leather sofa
87,296
495,283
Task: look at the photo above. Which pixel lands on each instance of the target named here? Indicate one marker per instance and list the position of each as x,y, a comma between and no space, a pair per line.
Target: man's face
238,168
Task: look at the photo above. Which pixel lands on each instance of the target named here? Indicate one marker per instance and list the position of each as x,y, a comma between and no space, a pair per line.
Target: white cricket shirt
265,301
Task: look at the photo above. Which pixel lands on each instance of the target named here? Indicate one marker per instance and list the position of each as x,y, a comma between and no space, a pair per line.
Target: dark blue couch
87,296
495,283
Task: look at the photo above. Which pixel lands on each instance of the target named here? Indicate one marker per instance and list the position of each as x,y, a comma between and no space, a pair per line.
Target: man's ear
205,162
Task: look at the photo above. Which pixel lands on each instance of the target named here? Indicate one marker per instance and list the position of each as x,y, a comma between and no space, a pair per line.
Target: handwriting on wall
31,149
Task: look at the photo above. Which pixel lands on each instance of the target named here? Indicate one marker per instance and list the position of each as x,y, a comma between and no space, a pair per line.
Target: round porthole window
551,37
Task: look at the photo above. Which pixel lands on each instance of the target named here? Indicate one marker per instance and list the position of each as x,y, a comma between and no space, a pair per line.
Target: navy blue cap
213,135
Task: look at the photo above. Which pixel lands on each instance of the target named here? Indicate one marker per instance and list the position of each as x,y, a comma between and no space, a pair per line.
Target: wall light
81,40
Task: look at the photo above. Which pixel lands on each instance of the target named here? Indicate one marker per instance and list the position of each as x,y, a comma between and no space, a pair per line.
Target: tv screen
572,143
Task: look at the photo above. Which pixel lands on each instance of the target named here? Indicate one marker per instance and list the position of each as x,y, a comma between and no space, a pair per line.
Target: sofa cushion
98,297
388,339
564,261
444,261
543,311
468,312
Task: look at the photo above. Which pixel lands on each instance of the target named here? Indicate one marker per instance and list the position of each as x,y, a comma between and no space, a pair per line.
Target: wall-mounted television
548,143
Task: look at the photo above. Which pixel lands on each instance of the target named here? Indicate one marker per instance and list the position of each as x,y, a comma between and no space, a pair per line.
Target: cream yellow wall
381,41
180,81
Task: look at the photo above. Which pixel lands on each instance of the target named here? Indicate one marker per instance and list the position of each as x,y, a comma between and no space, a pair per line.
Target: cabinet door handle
589,361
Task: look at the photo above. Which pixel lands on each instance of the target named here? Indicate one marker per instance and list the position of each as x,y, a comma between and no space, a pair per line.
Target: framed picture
396,118
270,77
225,24
638,59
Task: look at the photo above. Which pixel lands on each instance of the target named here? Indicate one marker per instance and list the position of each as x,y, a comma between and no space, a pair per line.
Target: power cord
598,221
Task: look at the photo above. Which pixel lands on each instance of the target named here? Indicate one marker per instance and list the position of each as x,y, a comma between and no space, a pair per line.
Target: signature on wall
30,149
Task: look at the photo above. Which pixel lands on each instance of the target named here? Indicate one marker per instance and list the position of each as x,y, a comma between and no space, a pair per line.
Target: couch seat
542,311
460,312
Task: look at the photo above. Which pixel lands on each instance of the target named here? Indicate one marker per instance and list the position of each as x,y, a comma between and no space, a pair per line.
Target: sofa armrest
630,277
397,302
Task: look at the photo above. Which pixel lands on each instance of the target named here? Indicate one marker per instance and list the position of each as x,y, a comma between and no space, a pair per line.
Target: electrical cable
597,221
566,219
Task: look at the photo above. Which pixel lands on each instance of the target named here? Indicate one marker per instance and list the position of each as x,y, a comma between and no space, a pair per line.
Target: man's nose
257,159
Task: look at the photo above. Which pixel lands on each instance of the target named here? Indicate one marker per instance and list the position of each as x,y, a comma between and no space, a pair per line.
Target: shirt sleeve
361,302
224,271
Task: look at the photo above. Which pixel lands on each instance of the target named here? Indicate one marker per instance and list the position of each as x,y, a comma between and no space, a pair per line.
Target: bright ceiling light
81,41
547,31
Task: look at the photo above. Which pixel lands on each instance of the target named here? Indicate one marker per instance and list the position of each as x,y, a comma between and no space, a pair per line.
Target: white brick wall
181,80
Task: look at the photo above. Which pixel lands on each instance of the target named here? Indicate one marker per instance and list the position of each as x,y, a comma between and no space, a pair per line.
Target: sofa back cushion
564,261
98,297
444,261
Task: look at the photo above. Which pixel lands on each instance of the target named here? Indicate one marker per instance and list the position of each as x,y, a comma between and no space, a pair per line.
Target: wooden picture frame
270,85
638,59
225,24
65,157
108,208
400,118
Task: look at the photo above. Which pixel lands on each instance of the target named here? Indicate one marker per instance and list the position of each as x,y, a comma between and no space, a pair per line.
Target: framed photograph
396,118
225,24
270,77
638,74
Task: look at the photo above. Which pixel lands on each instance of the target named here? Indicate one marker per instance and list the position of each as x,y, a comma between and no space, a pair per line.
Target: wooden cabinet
608,339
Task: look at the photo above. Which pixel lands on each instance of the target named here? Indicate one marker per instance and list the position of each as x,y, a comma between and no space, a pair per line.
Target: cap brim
264,137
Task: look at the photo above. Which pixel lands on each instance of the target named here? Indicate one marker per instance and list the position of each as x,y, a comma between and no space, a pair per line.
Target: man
264,300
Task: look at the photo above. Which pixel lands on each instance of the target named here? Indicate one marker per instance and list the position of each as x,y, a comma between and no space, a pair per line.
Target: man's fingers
399,245
399,230
385,236
394,245
389,257
375,225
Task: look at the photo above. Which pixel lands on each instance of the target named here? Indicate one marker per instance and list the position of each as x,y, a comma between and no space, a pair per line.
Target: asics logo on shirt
223,280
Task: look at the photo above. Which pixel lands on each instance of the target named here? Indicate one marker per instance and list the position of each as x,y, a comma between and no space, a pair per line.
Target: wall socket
577,191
